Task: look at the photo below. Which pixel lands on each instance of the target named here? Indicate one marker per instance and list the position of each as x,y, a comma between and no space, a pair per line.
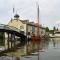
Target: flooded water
50,52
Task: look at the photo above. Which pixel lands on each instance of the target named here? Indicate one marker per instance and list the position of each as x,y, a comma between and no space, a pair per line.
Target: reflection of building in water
57,36
54,42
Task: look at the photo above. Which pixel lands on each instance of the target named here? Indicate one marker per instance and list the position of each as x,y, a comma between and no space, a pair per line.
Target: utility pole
38,27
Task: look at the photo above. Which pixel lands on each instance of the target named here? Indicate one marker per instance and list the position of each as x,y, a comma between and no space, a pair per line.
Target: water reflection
48,54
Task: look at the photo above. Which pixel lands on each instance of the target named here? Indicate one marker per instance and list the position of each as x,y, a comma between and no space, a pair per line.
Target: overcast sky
49,11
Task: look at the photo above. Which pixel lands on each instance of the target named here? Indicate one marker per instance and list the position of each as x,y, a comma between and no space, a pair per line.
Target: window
33,29
22,27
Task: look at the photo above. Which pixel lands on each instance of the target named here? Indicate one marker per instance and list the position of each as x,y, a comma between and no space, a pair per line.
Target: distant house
55,35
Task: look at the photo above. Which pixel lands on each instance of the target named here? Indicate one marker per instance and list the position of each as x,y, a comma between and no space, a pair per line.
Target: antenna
13,4
13,9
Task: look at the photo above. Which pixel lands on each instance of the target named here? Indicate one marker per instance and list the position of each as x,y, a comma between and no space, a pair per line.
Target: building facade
25,26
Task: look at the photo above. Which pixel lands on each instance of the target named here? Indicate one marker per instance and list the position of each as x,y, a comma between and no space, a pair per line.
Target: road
50,53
